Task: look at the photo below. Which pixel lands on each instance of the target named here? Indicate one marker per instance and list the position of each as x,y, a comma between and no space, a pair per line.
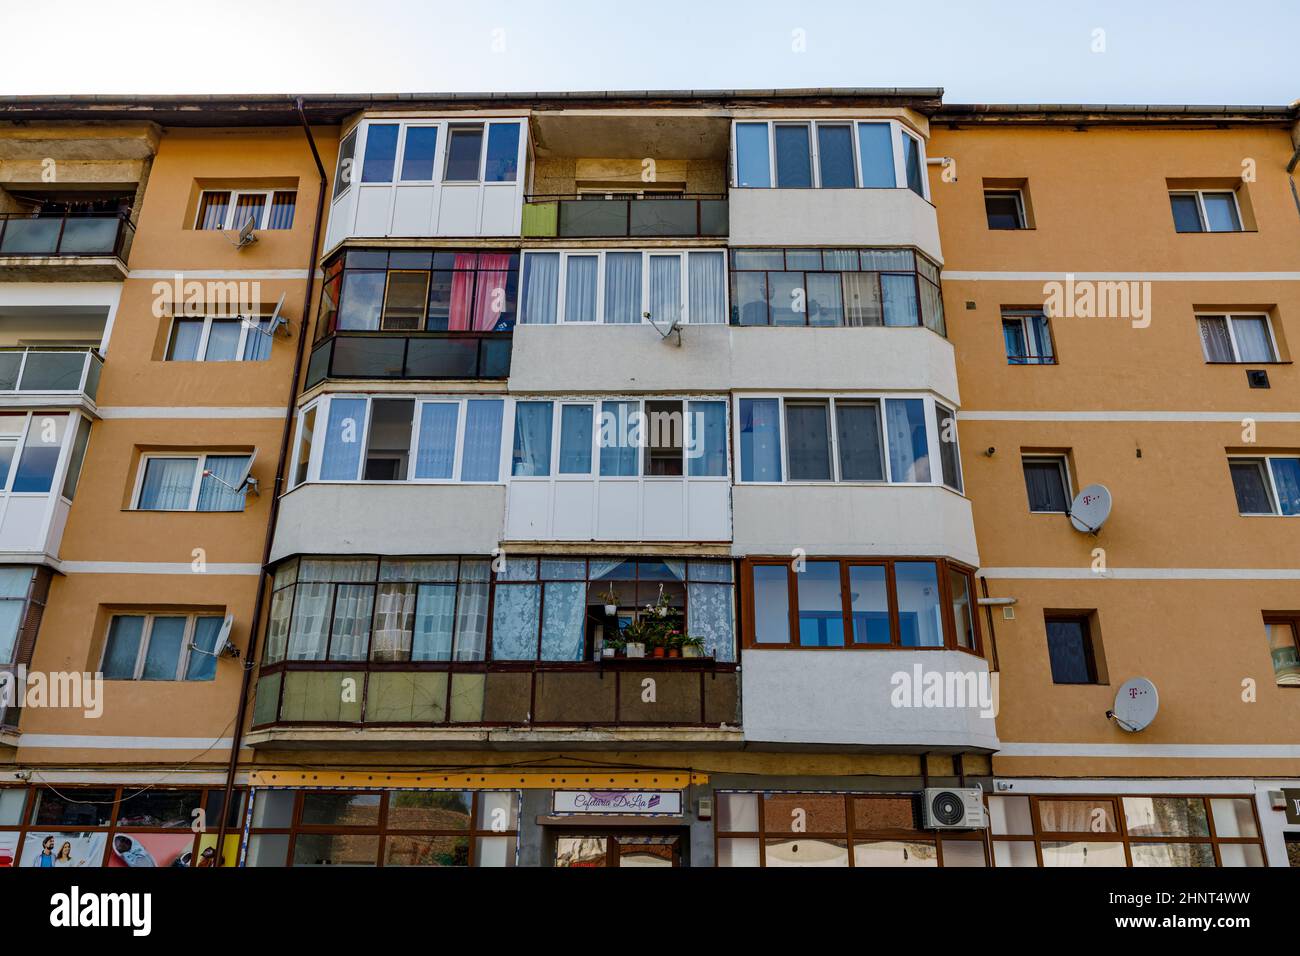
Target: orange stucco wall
1099,205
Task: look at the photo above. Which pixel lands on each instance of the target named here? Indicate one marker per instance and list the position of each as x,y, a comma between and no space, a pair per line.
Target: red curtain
494,273
462,292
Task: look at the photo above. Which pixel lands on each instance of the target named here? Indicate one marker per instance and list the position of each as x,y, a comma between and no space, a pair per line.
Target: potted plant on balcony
674,643
610,597
692,647
634,639
612,648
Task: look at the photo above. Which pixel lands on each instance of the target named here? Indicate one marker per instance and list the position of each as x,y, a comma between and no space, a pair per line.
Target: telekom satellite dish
1090,509
1136,704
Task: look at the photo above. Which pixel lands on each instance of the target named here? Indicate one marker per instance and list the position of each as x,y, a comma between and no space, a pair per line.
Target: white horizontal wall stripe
1215,751
191,411
1125,416
91,742
154,567
1146,574
976,276
221,273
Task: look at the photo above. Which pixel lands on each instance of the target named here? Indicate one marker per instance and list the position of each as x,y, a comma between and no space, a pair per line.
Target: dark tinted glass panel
793,161
464,148
502,153
835,156
807,431
421,148
1067,646
1251,487
861,453
1187,213
381,151
749,298
1045,482
1003,210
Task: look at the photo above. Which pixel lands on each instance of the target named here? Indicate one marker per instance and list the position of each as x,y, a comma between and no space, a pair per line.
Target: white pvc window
169,647
398,438
1205,210
619,287
1266,485
202,482
1240,338
433,151
232,208
876,439
31,452
212,339
827,154
617,438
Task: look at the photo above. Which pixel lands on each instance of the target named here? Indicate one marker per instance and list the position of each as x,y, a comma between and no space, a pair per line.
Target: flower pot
607,652
658,652
690,650
674,652
634,649
611,610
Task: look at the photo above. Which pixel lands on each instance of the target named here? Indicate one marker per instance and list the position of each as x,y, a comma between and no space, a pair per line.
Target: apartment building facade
612,506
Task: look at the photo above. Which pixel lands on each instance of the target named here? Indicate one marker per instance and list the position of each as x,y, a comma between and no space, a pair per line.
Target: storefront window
384,828
1124,831
131,826
782,829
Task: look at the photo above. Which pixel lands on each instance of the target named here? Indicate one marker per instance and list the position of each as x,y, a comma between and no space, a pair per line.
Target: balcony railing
50,370
415,355
565,216
71,234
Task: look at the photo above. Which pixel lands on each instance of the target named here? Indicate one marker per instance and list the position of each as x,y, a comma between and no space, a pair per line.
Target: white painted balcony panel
632,358
834,217
619,509
396,518
867,698
853,519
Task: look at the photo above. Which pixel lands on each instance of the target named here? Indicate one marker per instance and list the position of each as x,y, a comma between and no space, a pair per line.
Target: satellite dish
277,320
246,234
674,326
1136,704
222,646
246,478
246,481
1090,509
222,643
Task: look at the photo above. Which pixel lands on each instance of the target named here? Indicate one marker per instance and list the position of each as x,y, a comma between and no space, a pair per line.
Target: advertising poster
151,849
63,849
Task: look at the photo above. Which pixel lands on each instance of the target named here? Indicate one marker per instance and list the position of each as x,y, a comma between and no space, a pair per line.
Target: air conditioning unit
954,809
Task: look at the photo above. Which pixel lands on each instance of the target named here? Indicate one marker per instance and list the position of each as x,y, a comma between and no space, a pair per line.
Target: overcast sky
1135,51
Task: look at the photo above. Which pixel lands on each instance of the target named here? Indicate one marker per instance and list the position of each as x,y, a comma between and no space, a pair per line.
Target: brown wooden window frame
381,830
850,835
1121,834
943,566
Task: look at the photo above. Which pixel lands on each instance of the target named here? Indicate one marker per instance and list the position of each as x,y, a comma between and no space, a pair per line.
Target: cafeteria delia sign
667,802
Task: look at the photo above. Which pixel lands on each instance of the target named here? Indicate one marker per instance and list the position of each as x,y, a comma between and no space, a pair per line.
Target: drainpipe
258,602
